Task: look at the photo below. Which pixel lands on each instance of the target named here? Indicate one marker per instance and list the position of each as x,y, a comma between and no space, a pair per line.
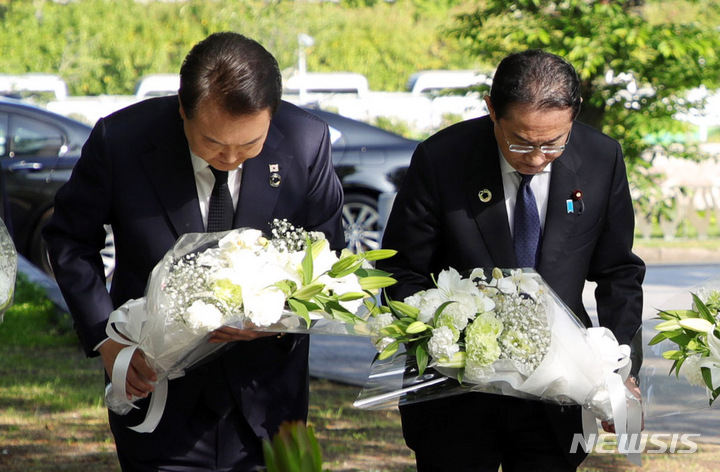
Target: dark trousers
481,432
216,437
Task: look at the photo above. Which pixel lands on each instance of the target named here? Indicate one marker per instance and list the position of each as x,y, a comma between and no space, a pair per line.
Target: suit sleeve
618,272
413,229
75,236
325,196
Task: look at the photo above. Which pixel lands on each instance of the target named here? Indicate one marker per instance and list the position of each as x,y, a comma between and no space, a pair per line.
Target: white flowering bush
695,337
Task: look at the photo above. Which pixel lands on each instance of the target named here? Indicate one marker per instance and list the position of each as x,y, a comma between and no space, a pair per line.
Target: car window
34,138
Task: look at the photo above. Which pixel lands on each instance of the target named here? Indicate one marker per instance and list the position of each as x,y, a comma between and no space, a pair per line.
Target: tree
635,74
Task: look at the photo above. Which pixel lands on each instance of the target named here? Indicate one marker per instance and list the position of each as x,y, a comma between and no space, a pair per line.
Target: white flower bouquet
507,333
8,270
690,338
238,278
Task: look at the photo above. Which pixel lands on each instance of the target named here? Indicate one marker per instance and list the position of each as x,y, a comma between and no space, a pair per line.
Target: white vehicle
435,80
157,85
34,83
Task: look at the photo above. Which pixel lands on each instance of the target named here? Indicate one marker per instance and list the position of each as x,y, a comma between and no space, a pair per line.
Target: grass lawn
52,417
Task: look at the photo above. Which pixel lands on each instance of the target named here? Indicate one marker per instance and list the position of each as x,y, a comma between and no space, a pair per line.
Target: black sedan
38,150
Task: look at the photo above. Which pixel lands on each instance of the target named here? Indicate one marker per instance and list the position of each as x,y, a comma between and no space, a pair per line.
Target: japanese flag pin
484,195
274,167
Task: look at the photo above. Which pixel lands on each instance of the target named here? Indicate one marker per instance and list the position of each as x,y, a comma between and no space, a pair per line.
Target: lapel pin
575,202
275,179
484,195
274,167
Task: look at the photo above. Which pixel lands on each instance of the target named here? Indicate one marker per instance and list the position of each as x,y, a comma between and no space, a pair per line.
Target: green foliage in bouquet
696,335
293,449
312,296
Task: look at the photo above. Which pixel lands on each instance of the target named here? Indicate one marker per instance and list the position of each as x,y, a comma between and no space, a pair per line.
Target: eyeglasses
527,148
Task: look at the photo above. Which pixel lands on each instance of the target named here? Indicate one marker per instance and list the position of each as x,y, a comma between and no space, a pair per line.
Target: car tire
361,222
41,259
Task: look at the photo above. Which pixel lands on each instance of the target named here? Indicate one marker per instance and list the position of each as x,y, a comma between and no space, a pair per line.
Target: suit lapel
490,216
558,222
170,170
257,197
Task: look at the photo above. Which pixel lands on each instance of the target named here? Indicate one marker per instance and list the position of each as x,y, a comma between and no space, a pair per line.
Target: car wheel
361,223
41,258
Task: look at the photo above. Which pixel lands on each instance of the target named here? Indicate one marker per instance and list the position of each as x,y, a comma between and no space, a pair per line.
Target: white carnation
442,344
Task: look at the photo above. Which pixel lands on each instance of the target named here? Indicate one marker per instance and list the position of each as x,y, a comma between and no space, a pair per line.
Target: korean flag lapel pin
485,195
275,178
575,203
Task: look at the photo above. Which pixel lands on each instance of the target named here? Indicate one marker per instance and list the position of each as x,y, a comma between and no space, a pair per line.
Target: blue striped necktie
527,225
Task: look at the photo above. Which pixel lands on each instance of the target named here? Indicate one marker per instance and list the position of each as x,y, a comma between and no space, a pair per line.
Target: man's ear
182,111
490,108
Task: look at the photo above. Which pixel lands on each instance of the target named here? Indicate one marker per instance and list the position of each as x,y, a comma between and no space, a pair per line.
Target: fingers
608,427
139,377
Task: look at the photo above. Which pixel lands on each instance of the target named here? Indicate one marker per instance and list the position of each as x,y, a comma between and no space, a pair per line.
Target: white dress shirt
540,185
205,180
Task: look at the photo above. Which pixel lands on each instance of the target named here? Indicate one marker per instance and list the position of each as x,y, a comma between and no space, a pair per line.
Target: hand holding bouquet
238,278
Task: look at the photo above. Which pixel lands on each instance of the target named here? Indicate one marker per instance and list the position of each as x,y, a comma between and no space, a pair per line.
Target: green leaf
350,296
375,283
670,325
403,309
703,309
439,311
345,266
422,358
391,349
307,266
300,309
416,327
378,254
660,337
707,377
673,355
308,291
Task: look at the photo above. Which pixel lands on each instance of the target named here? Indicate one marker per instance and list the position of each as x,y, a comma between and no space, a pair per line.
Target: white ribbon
626,409
125,326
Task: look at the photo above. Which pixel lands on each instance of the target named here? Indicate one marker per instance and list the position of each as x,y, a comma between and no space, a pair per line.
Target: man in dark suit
148,171
456,208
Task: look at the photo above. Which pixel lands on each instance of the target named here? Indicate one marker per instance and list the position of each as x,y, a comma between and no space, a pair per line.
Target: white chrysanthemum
443,343
378,322
427,302
381,343
691,370
201,316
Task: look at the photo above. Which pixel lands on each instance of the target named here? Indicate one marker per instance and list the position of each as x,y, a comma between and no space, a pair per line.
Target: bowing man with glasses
525,186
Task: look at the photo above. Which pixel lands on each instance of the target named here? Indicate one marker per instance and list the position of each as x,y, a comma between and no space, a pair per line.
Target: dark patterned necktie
527,225
220,212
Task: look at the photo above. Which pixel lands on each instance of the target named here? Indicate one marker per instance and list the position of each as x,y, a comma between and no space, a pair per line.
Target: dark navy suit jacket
135,174
439,221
